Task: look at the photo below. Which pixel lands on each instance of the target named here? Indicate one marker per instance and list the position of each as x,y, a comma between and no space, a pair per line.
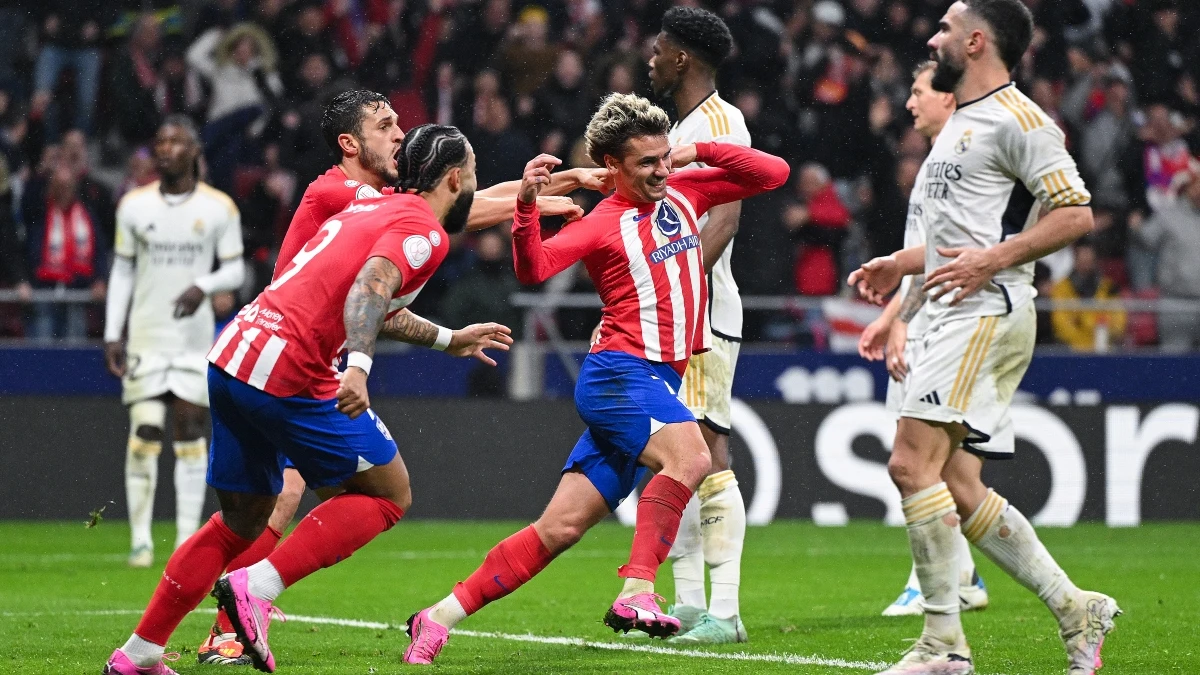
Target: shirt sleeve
535,260
229,237
125,244
407,258
1037,156
736,172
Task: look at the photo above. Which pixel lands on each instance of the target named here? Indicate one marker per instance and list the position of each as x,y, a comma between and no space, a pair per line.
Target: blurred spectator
1104,141
561,107
239,65
1086,330
477,33
1151,167
307,34
1159,57
139,170
266,212
71,35
93,192
818,220
1173,233
134,81
526,56
500,150
67,247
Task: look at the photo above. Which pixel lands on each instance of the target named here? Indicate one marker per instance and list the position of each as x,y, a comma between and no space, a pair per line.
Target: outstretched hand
472,340
876,278
536,177
560,206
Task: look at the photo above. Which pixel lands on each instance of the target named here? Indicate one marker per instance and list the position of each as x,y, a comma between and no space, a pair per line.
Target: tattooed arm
366,306
407,327
914,300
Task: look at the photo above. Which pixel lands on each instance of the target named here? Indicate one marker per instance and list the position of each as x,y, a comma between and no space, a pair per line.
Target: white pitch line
785,659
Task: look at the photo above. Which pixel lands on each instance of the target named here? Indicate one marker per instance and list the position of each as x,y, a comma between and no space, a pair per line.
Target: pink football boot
428,638
250,616
641,612
119,664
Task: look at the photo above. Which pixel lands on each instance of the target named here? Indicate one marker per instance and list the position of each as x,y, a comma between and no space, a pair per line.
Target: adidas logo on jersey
931,398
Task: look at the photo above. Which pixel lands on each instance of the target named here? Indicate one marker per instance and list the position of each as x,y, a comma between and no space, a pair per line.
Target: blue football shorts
622,399
255,433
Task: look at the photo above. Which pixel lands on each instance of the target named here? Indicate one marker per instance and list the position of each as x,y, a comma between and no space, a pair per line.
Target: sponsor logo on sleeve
366,192
417,250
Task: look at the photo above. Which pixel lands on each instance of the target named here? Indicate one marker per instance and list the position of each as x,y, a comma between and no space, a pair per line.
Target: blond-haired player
168,234
901,328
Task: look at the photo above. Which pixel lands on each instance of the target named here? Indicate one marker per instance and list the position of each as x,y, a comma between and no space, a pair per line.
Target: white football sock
634,586
936,560
143,653
448,612
191,469
1007,539
141,478
687,558
913,581
723,528
966,564
264,580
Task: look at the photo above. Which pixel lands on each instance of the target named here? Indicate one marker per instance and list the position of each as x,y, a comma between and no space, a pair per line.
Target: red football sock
507,566
259,550
190,575
658,514
331,532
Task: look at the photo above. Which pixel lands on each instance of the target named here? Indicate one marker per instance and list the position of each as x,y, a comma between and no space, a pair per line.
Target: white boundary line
784,658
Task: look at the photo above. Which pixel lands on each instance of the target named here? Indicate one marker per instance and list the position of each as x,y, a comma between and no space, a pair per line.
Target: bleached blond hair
620,118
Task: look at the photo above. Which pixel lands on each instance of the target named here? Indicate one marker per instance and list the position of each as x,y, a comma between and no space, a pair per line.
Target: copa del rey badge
417,250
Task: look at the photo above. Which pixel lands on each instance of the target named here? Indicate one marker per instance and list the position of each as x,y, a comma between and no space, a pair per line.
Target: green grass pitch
811,595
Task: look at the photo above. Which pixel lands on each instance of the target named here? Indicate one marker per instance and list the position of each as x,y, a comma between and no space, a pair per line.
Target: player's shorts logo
417,250
667,220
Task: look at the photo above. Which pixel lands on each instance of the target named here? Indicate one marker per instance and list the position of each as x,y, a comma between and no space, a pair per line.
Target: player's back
296,325
325,197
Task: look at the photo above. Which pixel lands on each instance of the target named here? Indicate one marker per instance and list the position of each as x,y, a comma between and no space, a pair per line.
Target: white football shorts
967,373
708,384
152,374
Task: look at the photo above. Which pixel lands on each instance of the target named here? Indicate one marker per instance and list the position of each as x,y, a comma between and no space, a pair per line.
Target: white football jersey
716,120
914,235
173,243
998,162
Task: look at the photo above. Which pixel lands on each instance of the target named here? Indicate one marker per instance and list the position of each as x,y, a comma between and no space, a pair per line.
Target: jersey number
327,233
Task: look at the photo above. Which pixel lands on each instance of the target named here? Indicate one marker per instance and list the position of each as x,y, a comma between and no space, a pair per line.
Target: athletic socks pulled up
659,512
935,556
508,566
723,528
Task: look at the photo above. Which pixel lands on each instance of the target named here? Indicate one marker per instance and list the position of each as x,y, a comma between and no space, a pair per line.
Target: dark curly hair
699,32
1011,23
344,115
428,152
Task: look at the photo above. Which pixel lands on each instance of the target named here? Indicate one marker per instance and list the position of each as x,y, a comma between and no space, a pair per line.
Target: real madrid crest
198,227
963,143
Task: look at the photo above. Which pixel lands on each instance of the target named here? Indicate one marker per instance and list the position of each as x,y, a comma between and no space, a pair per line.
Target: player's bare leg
190,574
222,647
920,452
722,520
147,420
1008,539
679,457
575,507
353,513
190,423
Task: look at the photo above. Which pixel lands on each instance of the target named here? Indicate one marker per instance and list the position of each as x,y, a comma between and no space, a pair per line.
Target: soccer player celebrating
288,378
642,248
167,235
363,129
997,164
901,328
688,50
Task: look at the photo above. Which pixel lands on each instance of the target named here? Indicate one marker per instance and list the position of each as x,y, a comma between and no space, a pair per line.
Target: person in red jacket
819,223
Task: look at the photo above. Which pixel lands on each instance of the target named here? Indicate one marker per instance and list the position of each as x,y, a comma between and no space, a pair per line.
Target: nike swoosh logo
498,583
664,540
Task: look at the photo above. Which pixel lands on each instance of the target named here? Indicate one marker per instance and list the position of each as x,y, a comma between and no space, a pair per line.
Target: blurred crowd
85,83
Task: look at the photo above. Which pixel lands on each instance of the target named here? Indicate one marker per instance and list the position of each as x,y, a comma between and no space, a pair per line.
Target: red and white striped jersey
291,340
645,258
324,198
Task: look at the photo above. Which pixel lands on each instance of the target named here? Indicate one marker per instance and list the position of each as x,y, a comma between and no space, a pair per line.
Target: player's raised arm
490,211
736,172
407,327
535,260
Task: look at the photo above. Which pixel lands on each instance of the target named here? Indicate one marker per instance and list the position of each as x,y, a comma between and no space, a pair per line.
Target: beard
456,218
380,165
947,75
